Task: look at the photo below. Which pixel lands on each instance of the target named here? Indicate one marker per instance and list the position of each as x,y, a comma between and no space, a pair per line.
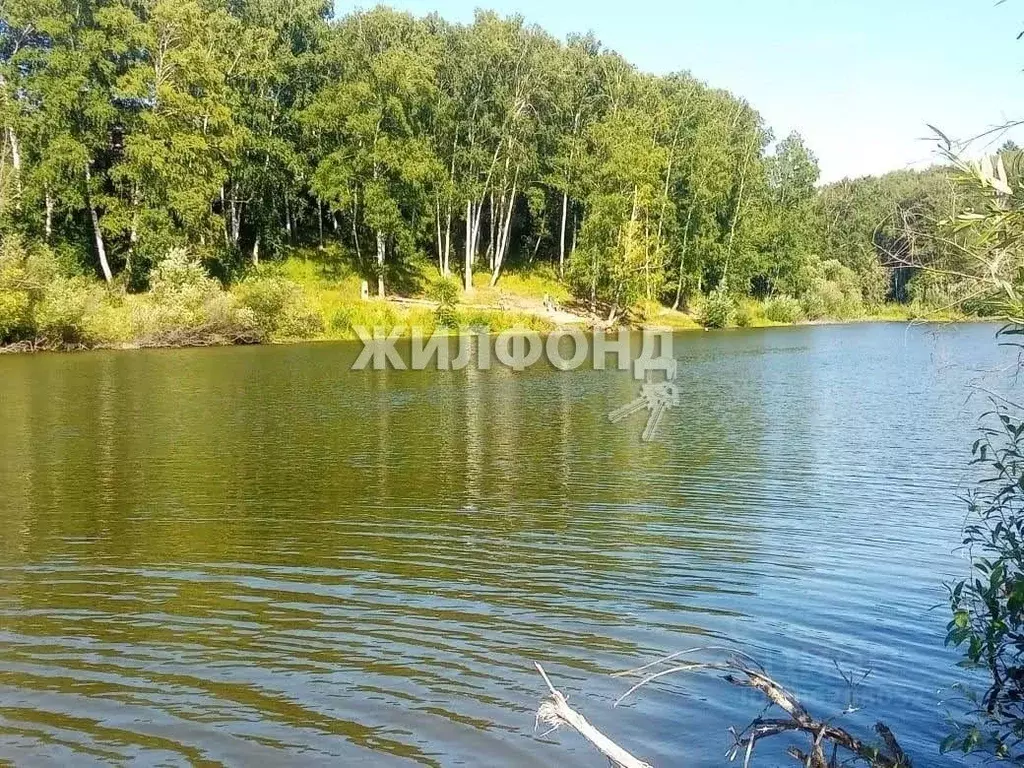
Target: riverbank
306,299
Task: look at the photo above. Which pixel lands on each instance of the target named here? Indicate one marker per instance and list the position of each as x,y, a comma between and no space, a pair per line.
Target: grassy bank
44,305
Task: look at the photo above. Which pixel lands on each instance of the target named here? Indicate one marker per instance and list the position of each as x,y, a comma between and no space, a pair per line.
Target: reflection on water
256,556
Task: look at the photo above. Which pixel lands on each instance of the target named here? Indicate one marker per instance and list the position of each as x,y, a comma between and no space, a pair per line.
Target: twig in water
555,711
799,719
742,670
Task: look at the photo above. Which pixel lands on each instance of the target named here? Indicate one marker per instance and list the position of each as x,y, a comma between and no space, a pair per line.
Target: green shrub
716,310
815,301
831,299
279,307
15,314
744,314
180,288
64,315
782,309
110,322
186,307
446,292
180,274
39,302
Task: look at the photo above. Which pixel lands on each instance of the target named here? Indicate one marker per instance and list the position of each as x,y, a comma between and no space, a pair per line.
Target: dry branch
555,711
827,742
741,672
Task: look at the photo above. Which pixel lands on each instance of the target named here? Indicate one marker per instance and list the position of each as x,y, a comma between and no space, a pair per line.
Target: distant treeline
240,128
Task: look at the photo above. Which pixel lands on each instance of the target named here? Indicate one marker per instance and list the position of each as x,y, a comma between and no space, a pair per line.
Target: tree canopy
237,130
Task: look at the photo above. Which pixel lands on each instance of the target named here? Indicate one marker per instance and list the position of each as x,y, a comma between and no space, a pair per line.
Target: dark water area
255,556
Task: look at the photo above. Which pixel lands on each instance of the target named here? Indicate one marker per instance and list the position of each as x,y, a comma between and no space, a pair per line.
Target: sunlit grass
335,294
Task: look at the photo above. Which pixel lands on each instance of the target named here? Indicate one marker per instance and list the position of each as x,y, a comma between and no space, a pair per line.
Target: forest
177,150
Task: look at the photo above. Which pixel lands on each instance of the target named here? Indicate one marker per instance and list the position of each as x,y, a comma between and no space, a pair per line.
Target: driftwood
828,745
555,711
213,334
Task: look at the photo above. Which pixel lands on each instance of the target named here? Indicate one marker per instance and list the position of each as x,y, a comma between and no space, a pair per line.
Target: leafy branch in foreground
988,607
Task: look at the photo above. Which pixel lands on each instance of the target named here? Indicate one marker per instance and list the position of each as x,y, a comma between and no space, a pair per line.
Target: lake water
256,556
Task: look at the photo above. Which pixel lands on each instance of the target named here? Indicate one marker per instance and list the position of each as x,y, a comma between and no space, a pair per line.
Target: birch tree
378,166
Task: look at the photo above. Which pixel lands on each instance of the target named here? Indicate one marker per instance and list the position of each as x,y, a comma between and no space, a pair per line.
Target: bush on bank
783,309
46,305
42,303
716,310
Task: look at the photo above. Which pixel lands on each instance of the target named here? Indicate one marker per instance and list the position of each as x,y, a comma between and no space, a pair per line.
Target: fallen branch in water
827,742
555,711
740,669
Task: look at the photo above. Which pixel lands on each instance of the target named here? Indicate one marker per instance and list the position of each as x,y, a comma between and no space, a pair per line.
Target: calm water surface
256,557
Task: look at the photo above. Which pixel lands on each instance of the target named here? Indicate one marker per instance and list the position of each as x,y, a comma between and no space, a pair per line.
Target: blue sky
860,79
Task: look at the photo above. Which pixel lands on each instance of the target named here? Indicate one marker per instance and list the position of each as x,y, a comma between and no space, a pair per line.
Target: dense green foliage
988,606
240,131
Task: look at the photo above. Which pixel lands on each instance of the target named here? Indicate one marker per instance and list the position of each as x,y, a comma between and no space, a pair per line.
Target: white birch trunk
355,230
97,233
320,221
49,214
468,272
491,240
682,257
440,242
448,241
225,217
236,220
561,239
735,219
381,249
15,156
505,235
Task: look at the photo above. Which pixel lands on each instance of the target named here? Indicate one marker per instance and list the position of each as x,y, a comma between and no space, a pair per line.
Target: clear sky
860,79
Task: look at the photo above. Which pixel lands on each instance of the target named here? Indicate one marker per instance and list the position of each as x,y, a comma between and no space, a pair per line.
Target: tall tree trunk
736,214
470,235
320,221
381,248
16,161
49,214
355,230
561,239
505,235
133,234
225,216
448,240
287,219
491,241
682,256
97,233
575,233
440,241
236,217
